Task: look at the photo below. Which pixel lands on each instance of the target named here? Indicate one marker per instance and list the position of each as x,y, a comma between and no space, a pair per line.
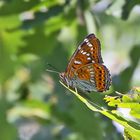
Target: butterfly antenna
53,69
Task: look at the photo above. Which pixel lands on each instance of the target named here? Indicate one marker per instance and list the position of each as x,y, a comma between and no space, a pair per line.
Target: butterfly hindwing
97,75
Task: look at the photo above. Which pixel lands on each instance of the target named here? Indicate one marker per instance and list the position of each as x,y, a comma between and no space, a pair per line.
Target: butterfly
85,70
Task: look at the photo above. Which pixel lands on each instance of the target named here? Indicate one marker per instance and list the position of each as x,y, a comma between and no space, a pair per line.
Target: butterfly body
85,70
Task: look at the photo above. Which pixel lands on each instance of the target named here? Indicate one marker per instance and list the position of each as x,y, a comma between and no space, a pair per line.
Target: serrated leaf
132,127
131,101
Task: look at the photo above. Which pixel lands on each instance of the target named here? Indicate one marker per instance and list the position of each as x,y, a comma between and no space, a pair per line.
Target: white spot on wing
89,58
77,62
91,80
86,40
84,53
91,72
88,54
89,44
91,69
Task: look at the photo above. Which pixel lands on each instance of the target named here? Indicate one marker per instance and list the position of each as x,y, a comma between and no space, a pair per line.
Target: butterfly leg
76,90
68,86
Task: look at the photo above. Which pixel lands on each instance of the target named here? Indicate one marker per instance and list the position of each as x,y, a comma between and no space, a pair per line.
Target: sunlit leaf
132,127
131,101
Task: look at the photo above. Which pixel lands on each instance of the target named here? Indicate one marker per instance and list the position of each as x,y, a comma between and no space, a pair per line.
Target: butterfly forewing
88,51
85,69
94,44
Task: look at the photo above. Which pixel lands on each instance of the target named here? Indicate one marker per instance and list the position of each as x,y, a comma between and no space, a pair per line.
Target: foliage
33,104
130,101
131,128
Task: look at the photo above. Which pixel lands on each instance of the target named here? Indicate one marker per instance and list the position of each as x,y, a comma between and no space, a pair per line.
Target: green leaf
127,8
16,7
131,101
40,17
132,127
7,130
127,135
39,109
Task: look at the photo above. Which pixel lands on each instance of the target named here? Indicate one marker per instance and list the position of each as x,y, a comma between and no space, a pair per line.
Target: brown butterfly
85,70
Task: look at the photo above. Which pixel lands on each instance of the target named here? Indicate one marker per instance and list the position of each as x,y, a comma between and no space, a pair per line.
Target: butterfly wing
85,69
89,51
93,77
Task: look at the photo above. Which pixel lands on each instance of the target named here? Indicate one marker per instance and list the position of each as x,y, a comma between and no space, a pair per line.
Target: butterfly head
63,78
70,82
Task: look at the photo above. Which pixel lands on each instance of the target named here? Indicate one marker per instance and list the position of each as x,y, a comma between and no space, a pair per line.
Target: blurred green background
33,104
